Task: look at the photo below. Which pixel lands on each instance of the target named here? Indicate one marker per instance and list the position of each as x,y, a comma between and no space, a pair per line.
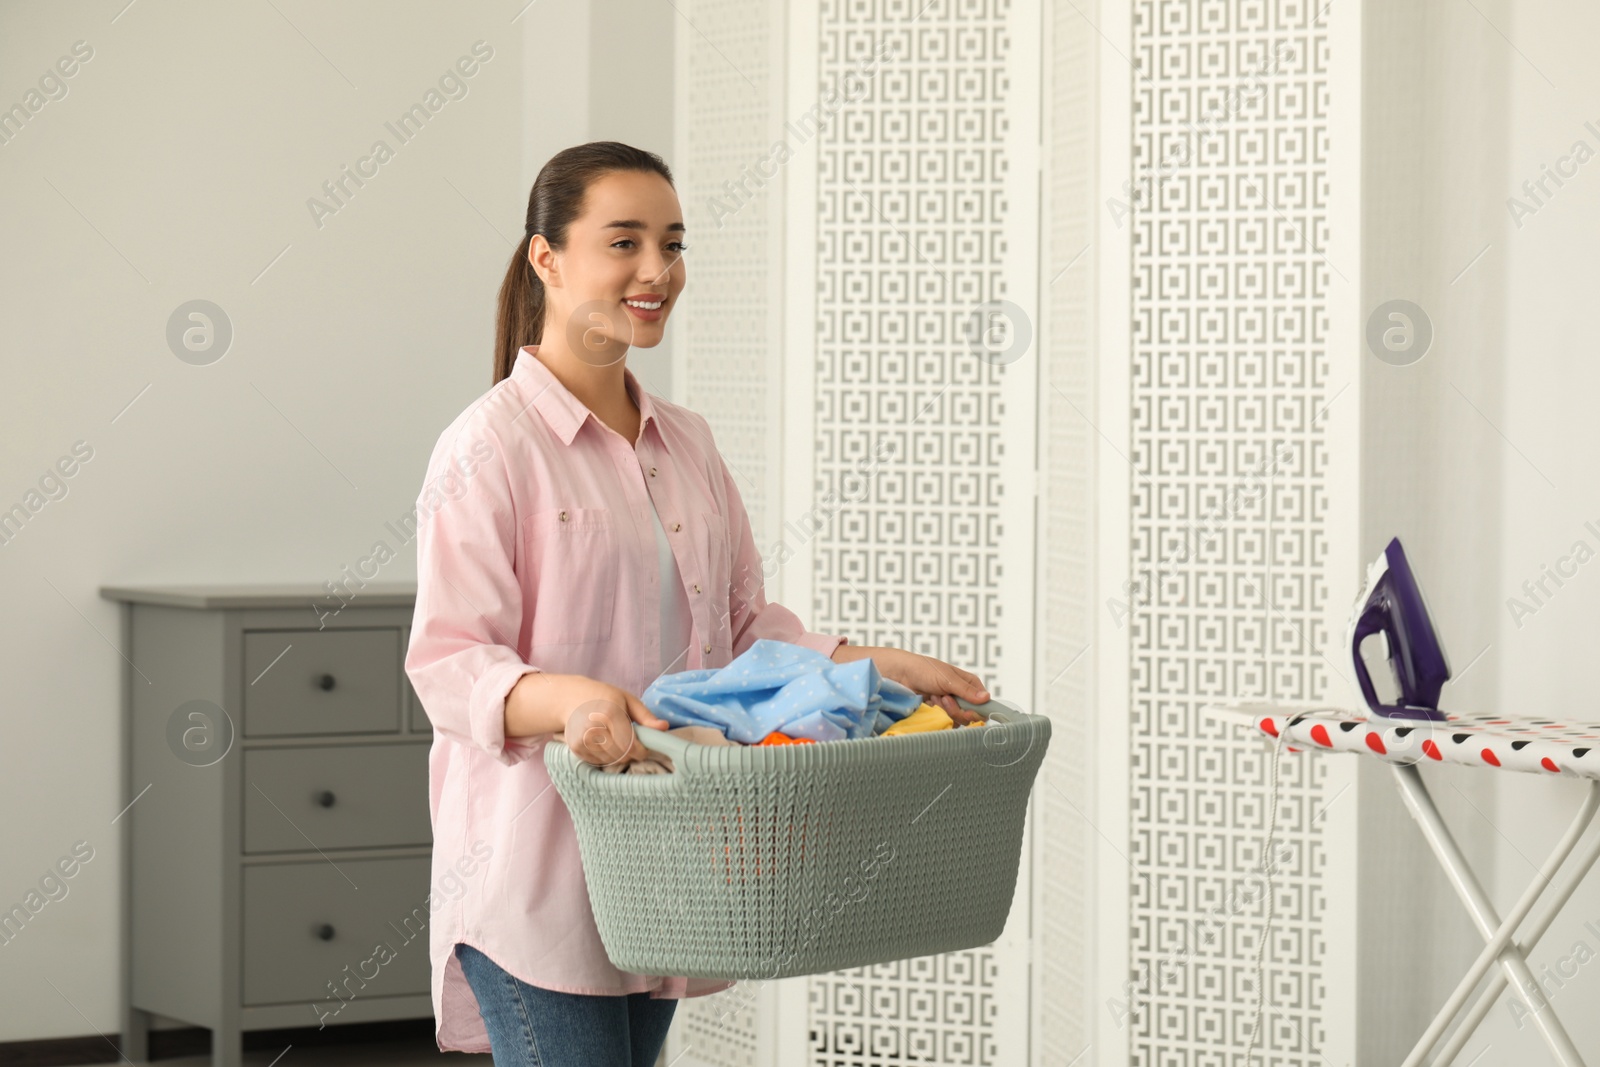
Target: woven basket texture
764,862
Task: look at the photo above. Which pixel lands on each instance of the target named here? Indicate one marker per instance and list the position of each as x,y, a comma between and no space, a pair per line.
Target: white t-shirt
676,621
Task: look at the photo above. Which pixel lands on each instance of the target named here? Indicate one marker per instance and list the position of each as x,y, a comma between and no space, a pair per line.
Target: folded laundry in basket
660,762
775,685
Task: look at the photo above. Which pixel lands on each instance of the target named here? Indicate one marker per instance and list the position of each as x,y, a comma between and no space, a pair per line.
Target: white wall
1433,128
1479,457
178,166
1551,487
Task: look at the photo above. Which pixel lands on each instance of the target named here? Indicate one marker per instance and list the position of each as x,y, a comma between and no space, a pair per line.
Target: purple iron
1393,607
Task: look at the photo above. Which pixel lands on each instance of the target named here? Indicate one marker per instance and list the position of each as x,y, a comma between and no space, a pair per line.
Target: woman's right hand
599,729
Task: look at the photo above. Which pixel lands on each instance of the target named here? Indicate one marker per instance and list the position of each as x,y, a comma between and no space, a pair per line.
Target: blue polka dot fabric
775,685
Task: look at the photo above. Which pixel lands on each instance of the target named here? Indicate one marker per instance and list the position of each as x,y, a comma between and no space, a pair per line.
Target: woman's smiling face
626,246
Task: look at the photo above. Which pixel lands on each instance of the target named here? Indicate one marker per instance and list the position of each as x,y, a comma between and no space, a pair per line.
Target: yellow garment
926,718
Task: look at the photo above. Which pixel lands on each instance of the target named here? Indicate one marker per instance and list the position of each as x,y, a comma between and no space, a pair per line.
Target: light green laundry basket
759,862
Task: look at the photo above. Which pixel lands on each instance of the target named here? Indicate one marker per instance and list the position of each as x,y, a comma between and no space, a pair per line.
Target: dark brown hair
555,200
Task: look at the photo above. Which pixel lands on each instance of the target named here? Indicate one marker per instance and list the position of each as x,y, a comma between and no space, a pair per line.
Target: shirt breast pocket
573,553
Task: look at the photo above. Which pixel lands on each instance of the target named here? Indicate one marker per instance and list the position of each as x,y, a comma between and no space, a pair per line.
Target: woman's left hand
937,682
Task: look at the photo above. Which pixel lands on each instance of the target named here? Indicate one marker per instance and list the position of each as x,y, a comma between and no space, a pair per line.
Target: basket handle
1004,713
663,742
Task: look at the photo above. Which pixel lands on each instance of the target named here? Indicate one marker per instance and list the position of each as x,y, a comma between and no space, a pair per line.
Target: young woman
577,537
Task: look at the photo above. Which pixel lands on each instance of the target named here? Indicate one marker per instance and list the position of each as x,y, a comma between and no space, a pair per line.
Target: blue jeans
534,1027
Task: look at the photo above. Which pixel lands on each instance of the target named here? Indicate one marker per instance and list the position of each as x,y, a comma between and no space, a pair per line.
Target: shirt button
652,472
696,587
708,648
563,515
677,526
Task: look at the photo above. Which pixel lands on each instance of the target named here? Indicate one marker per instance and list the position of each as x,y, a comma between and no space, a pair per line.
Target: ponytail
554,202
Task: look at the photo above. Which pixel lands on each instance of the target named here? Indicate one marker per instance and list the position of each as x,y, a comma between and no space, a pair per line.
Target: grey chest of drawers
276,841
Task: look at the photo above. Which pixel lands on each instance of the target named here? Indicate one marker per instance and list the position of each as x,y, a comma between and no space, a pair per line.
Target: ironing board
1503,742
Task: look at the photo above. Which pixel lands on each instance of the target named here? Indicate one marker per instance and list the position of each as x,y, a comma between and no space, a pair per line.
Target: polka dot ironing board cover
1510,742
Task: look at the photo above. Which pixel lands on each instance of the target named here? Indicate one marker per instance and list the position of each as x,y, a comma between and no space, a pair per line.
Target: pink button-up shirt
536,551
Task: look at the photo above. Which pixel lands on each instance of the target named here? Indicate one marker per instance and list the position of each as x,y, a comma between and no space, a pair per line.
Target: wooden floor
409,1053
404,1043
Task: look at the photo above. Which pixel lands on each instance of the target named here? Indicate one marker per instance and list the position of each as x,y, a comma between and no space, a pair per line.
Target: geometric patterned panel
1230,374
719,1029
931,1009
911,206
909,223
725,355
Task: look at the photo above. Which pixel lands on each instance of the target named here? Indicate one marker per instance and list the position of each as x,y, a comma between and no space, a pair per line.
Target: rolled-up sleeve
751,615
462,658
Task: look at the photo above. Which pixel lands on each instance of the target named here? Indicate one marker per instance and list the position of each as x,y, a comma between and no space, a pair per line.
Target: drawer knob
325,798
325,682
324,932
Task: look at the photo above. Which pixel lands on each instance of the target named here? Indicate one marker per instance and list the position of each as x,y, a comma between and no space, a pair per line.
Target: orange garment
776,738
